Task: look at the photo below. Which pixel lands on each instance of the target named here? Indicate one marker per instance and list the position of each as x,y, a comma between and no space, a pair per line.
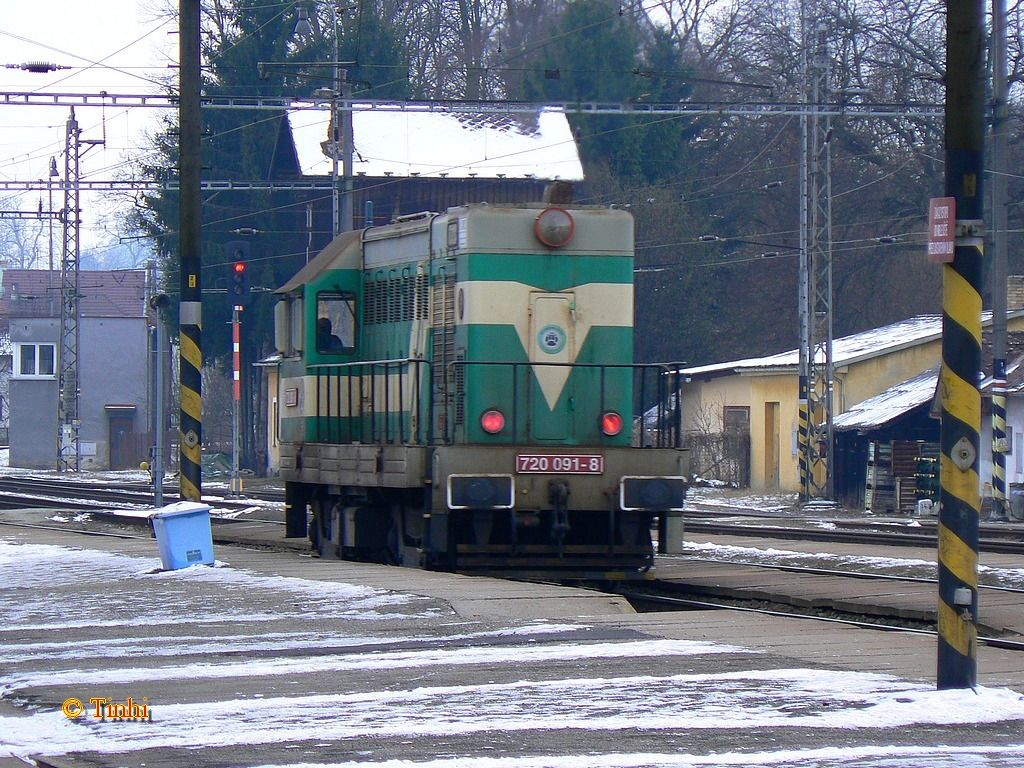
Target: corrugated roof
438,144
889,405
103,293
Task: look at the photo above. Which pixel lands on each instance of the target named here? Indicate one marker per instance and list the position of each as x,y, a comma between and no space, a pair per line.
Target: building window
35,361
736,419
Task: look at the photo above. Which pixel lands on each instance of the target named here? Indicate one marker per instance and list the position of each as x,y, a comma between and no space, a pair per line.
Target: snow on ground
29,568
925,569
519,686
829,757
702,703
708,496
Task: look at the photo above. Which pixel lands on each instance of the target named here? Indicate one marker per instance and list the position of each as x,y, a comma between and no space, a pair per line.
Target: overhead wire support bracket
453,106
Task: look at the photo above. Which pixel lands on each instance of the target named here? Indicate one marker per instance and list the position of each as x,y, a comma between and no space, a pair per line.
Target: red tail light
492,421
611,423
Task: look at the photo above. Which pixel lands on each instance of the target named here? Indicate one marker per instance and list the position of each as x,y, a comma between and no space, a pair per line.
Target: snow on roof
438,144
845,350
891,404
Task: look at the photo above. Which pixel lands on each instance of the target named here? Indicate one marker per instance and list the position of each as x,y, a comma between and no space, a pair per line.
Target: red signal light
492,421
611,423
239,267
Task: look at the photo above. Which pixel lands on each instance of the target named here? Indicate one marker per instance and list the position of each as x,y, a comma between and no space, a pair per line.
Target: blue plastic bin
183,535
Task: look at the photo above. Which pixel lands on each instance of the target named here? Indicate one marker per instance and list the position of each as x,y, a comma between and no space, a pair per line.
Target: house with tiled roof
757,398
113,367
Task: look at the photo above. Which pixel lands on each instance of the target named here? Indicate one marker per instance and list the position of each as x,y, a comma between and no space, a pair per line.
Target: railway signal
238,278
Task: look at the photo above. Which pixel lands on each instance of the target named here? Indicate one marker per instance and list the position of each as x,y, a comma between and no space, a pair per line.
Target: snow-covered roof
846,350
439,144
891,404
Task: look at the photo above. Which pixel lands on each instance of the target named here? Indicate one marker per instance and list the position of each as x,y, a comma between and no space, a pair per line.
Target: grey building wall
33,402
112,371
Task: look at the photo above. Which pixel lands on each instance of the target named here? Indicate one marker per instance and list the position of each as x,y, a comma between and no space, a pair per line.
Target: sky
120,46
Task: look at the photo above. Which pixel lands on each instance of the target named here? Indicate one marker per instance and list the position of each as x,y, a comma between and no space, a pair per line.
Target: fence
724,456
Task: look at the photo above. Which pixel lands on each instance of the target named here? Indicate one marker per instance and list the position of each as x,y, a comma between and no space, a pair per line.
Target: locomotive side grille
395,299
408,295
442,317
460,390
372,303
422,311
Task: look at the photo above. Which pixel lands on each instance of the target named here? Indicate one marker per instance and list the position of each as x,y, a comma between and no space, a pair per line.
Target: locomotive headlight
492,421
652,494
554,227
611,423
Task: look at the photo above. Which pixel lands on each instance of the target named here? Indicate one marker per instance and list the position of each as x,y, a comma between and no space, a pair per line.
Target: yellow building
757,398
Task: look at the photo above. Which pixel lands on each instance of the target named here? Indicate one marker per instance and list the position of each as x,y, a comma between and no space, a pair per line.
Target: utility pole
190,310
815,279
998,280
69,448
347,149
959,500
236,396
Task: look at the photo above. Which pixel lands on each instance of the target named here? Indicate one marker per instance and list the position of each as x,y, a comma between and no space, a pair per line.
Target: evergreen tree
250,50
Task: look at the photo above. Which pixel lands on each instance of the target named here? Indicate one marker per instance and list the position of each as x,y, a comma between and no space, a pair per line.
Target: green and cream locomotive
458,391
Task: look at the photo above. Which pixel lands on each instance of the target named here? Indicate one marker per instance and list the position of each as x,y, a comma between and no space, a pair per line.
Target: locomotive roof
344,246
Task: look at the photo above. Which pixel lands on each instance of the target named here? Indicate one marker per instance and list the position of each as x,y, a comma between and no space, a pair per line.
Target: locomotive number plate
559,463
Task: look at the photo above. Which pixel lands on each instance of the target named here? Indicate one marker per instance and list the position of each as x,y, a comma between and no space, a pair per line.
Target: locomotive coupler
558,495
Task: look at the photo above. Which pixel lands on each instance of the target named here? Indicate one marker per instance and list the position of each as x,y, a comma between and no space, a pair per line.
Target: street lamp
341,209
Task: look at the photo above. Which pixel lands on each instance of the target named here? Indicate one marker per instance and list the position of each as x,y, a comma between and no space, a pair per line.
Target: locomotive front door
552,340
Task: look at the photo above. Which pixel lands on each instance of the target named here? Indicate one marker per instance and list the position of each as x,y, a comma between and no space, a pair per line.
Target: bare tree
23,241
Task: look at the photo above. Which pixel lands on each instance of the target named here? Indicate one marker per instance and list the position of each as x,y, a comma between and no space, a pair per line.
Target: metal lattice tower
816,364
69,451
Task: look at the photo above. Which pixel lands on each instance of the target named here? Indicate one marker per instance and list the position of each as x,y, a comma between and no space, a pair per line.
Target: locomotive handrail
349,411
390,400
660,429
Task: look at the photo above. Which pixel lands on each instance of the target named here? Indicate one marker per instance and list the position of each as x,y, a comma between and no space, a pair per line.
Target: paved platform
278,658
1001,612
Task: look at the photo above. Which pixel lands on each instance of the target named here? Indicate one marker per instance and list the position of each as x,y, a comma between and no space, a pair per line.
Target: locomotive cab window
335,323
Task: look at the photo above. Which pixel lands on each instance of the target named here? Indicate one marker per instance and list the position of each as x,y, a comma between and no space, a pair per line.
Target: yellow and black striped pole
999,443
189,217
960,500
804,439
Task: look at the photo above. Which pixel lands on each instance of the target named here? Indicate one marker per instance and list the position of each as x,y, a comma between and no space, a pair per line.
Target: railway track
656,594
639,598
28,492
1008,541
85,494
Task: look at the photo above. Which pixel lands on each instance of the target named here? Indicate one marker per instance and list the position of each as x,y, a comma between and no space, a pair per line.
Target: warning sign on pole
941,229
